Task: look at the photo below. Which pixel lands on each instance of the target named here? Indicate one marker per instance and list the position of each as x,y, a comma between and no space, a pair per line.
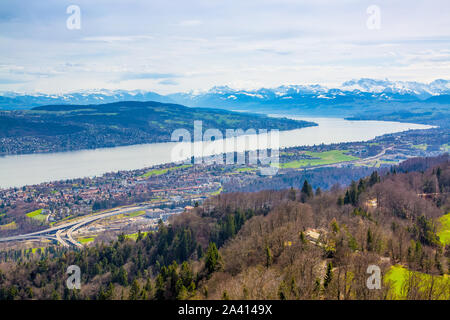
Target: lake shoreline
33,169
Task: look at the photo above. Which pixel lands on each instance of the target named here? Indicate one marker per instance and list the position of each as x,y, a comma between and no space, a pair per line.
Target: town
166,190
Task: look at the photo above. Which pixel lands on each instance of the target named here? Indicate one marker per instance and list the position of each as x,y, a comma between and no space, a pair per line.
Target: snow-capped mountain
353,91
224,95
22,100
349,91
421,90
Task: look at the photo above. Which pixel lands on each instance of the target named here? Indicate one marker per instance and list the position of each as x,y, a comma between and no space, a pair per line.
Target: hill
372,99
288,244
74,127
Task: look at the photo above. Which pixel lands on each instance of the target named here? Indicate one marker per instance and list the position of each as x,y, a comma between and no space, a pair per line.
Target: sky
182,45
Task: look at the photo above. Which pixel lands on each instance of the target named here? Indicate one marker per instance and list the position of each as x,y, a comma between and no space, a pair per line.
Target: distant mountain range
350,92
225,97
359,99
14,100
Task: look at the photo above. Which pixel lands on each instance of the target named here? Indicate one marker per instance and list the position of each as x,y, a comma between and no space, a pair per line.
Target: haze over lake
21,170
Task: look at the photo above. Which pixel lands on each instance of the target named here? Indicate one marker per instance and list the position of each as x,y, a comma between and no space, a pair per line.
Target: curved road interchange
63,233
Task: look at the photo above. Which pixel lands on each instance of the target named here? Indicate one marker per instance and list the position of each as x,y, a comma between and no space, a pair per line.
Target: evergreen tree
352,243
213,259
110,292
160,287
307,191
182,292
370,244
122,277
191,287
135,290
352,194
347,199
101,294
374,178
186,274
230,229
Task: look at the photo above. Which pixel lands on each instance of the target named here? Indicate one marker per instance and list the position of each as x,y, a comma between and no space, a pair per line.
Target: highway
63,233
342,163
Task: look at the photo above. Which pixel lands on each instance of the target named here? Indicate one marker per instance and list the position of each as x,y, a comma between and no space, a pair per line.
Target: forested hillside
299,243
73,127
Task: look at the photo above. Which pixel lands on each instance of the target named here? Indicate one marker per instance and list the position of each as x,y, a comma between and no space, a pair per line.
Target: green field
126,215
444,230
323,158
37,215
135,213
158,172
397,275
133,236
420,146
84,240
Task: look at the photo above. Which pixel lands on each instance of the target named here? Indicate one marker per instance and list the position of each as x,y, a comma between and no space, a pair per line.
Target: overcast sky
180,45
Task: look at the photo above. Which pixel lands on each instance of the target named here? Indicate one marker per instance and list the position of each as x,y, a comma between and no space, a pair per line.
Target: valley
169,189
214,159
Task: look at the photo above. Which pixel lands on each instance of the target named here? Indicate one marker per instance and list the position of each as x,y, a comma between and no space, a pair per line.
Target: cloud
190,23
10,81
184,45
168,82
111,39
270,51
149,75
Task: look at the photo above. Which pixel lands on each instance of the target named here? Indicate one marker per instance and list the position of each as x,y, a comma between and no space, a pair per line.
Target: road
357,161
64,233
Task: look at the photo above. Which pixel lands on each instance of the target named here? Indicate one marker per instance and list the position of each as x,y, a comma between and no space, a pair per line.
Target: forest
296,243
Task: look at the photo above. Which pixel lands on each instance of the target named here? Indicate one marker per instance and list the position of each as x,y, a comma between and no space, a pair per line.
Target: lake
21,170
